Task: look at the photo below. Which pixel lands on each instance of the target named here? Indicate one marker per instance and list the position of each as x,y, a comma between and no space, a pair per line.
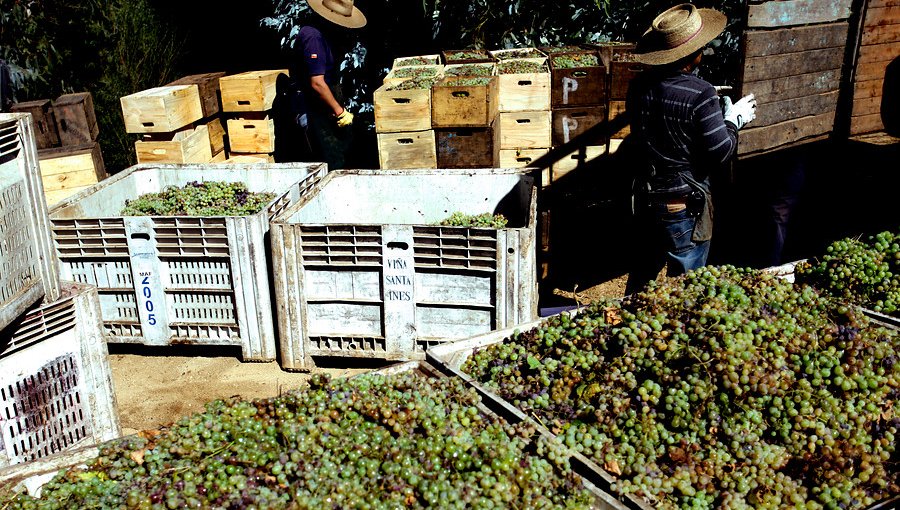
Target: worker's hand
740,113
345,118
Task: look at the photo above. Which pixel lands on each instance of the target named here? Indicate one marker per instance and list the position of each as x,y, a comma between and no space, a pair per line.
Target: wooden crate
793,64
407,150
76,121
219,157
523,130
68,170
398,75
253,136
579,122
464,102
208,88
416,60
518,158
879,46
617,108
45,133
465,147
216,132
190,145
581,157
252,91
398,111
250,158
533,54
580,85
523,91
161,109
622,67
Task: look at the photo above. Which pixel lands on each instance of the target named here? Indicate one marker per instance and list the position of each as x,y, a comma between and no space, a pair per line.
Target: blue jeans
667,240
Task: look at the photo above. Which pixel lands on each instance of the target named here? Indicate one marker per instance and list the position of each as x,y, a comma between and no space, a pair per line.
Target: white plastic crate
178,279
28,270
361,268
55,382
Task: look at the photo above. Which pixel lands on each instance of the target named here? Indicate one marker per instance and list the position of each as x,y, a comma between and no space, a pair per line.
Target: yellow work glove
344,119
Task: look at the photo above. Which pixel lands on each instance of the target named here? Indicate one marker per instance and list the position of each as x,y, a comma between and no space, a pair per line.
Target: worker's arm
317,83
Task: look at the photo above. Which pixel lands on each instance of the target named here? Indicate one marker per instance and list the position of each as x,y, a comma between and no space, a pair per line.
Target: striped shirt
679,127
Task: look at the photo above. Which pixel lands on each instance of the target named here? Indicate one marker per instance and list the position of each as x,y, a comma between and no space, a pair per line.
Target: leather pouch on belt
704,224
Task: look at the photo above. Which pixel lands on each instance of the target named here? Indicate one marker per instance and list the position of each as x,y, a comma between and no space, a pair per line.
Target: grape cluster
721,388
465,81
484,220
520,67
416,61
520,53
415,84
371,442
467,55
575,60
470,70
208,198
857,271
415,72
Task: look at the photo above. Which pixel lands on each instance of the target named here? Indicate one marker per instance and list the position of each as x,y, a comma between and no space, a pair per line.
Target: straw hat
341,12
677,33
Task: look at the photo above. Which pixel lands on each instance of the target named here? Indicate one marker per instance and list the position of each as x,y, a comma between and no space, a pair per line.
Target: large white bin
56,388
361,268
178,279
28,270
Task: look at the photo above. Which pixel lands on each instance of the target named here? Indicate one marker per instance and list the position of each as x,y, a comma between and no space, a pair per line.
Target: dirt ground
157,386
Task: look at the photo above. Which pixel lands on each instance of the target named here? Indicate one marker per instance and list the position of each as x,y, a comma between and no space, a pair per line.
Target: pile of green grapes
371,442
721,388
520,67
484,220
209,198
862,272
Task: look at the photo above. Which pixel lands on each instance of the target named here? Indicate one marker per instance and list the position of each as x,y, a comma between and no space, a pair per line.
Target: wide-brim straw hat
677,33
341,12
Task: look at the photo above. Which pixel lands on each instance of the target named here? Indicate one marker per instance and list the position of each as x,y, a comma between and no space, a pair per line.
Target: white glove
740,113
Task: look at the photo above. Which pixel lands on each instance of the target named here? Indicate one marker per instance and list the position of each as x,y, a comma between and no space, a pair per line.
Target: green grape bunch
721,388
483,220
208,198
372,442
866,272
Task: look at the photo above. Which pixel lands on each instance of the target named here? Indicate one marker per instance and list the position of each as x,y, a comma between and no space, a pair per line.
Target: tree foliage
110,48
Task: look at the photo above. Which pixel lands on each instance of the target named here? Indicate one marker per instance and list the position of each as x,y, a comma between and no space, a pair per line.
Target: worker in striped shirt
682,133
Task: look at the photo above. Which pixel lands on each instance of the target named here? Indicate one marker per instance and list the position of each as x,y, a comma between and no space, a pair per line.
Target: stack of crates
210,106
248,99
464,107
170,280
522,128
55,382
622,69
403,106
165,118
578,101
66,132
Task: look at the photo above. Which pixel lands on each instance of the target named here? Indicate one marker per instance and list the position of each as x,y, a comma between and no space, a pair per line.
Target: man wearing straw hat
682,135
328,123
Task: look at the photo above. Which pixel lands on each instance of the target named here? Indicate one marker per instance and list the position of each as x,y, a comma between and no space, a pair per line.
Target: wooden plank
752,140
791,87
57,195
781,111
45,133
760,43
870,88
881,34
866,106
866,124
871,71
787,13
878,53
792,64
881,16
